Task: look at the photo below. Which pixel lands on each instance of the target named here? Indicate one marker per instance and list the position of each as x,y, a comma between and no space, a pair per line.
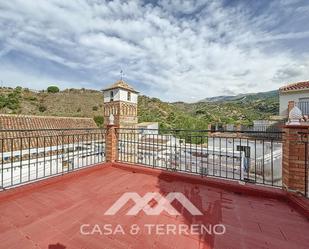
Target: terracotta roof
23,132
295,87
121,84
29,122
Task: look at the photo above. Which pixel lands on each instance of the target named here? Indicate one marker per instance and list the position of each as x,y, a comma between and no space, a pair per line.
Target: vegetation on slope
89,103
169,116
199,115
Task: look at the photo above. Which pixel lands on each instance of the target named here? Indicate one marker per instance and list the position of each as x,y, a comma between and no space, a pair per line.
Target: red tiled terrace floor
49,214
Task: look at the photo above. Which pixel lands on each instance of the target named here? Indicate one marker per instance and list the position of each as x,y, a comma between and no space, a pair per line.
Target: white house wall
258,148
285,98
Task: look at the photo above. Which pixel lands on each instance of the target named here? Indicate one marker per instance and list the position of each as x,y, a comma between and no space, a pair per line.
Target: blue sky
175,50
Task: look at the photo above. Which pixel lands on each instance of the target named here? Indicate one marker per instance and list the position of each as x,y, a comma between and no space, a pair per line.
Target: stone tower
120,99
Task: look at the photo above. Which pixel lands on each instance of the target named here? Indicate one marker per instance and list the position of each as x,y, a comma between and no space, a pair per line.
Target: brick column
293,161
111,147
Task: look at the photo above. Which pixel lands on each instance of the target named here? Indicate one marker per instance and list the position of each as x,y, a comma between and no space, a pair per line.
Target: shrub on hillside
99,120
42,108
53,89
11,100
2,101
95,108
31,98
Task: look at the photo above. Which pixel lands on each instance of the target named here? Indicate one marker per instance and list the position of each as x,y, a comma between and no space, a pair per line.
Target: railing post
111,148
294,159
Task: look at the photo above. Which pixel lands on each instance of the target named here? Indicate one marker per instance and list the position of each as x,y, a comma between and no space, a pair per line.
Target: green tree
18,89
53,89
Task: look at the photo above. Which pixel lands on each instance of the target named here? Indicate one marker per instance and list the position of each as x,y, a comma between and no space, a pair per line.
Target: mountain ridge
239,96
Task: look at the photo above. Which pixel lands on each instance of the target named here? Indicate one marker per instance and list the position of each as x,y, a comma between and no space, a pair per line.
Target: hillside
89,103
199,115
70,103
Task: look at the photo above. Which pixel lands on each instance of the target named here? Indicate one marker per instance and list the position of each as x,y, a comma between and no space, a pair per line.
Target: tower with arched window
120,99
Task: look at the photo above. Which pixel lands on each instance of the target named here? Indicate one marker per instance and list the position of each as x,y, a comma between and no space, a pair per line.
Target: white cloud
175,50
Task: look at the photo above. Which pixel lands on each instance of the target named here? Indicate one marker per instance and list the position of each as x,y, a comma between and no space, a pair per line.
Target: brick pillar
293,161
111,148
291,104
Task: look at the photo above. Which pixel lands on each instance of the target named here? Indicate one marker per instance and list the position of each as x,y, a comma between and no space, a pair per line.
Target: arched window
112,96
129,96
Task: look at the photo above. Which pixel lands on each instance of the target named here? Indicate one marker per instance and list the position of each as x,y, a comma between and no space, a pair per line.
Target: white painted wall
286,97
24,171
151,128
120,95
107,95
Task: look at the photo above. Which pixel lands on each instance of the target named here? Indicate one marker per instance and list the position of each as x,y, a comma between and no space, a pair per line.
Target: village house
294,94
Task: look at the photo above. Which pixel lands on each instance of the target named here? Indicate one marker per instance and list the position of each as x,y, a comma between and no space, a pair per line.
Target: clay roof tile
295,87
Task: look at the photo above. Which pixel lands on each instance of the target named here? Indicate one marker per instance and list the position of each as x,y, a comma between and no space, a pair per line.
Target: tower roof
121,84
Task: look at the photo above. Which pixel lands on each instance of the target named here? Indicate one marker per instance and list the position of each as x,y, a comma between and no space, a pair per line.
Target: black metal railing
303,106
305,141
31,155
239,155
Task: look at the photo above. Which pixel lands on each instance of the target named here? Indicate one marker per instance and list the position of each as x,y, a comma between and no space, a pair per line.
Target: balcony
234,180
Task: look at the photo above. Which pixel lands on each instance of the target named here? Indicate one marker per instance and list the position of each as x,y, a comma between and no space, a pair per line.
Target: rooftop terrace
116,188
51,213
